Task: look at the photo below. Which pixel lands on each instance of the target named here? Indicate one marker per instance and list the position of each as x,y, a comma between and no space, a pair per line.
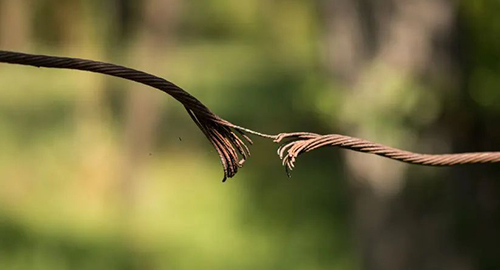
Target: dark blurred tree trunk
80,32
150,50
473,121
14,24
382,51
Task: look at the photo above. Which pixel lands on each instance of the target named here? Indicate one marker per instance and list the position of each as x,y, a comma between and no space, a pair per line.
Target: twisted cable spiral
229,139
231,149
303,142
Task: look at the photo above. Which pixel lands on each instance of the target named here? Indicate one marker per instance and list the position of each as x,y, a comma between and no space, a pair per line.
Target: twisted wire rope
303,142
217,130
225,136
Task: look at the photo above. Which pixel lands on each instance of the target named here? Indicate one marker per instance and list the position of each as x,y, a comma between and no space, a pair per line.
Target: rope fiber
229,139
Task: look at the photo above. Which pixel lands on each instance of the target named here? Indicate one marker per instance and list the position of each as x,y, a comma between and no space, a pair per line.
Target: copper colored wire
305,142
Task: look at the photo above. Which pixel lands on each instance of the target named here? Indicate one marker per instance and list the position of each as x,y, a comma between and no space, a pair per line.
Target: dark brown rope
231,149
223,135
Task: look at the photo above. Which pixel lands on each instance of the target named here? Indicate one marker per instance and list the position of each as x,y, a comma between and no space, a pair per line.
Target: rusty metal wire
303,142
231,149
229,139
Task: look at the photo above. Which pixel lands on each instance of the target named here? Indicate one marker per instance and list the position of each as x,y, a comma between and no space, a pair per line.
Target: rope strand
303,142
232,149
217,130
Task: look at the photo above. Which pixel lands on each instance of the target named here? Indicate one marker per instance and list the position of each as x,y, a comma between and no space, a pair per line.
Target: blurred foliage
66,200
483,57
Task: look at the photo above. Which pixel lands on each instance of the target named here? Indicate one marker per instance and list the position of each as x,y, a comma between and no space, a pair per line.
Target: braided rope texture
229,139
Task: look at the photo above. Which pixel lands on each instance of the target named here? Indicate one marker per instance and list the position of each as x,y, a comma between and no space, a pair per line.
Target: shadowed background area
101,173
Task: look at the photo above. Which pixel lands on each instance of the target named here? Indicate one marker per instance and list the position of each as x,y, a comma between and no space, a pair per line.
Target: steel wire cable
217,130
303,142
222,134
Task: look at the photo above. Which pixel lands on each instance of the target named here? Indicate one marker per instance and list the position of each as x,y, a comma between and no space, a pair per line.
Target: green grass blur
82,186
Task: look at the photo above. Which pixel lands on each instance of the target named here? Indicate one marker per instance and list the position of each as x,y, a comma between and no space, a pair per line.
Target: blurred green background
101,173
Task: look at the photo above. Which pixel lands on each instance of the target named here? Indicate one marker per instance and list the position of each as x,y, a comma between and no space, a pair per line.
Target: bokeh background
101,173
